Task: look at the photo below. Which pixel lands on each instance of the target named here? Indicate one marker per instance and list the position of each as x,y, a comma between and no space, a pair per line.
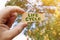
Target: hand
7,17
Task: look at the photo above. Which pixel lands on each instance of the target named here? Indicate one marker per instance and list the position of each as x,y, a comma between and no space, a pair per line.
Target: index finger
12,9
8,12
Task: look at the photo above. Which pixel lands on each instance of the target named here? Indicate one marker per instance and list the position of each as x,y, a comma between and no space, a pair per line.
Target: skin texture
7,18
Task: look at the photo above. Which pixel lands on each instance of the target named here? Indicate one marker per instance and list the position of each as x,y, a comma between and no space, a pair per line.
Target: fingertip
24,24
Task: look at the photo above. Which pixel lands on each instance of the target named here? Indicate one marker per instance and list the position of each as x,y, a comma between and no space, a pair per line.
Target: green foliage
49,30
20,3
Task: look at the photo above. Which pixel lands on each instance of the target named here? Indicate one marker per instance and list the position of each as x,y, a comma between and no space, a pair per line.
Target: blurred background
48,28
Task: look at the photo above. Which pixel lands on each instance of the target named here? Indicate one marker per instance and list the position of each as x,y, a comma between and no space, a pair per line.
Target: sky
2,3
20,36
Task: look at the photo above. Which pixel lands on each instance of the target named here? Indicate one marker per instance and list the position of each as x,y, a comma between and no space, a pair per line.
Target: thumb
10,34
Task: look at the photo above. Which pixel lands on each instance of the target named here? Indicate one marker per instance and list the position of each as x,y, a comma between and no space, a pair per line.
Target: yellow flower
37,29
57,13
51,11
49,2
46,37
51,28
59,33
29,31
54,32
58,0
41,33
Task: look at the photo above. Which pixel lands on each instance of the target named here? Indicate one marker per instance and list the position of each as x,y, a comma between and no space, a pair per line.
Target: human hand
7,17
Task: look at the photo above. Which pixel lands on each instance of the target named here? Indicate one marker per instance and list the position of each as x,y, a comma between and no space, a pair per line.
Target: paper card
32,17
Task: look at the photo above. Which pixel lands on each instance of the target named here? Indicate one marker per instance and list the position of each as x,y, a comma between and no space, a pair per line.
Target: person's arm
7,18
